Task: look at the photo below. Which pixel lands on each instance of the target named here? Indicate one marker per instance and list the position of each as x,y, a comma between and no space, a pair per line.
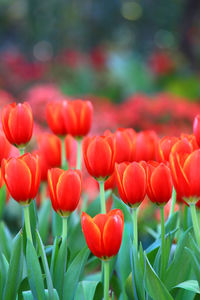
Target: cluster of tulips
140,165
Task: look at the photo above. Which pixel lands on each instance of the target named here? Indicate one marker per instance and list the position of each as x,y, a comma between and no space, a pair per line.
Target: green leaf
33,218
129,287
179,269
54,255
34,272
56,224
45,265
94,208
196,265
118,203
15,269
3,273
190,285
60,267
76,240
5,240
154,286
73,273
43,219
86,290
171,223
27,295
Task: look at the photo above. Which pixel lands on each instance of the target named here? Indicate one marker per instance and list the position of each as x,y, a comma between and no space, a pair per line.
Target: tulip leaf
196,265
54,255
129,288
3,273
118,203
5,240
34,272
15,269
27,295
154,286
73,273
94,208
56,224
76,240
60,267
45,265
43,219
33,218
180,266
171,223
86,290
190,285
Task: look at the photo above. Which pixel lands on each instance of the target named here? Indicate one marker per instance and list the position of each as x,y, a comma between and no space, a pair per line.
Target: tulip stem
173,202
185,217
135,229
102,197
64,163
21,151
64,227
106,280
195,222
78,163
27,223
162,217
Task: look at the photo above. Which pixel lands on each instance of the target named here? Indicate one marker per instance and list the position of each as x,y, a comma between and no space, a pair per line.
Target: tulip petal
92,234
119,172
5,118
112,235
191,170
53,176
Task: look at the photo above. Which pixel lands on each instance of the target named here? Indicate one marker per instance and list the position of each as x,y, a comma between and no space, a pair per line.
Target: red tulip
164,148
65,190
71,150
5,147
50,148
159,183
125,144
196,128
17,121
103,233
191,139
55,117
99,156
131,183
146,144
22,177
185,174
78,117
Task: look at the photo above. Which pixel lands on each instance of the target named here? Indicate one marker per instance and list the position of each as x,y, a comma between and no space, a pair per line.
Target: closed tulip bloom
125,144
146,144
191,139
159,183
49,146
78,117
99,156
164,148
65,190
22,177
103,233
17,121
196,128
131,183
5,147
185,173
55,117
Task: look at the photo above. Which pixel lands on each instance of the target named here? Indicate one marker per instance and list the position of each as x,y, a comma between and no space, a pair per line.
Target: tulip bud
55,117
22,177
65,190
146,144
103,233
17,121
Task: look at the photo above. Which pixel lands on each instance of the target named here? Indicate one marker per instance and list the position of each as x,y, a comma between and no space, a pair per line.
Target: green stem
135,229
102,197
21,151
64,163
78,163
185,217
195,223
173,202
162,216
64,227
106,280
27,223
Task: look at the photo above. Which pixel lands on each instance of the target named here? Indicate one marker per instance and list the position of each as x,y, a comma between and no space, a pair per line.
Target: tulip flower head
131,183
99,156
196,128
146,145
55,117
164,148
22,177
65,190
103,233
5,147
17,121
159,183
78,117
125,144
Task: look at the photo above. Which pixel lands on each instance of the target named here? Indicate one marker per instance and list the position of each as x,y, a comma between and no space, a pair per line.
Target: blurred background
139,56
